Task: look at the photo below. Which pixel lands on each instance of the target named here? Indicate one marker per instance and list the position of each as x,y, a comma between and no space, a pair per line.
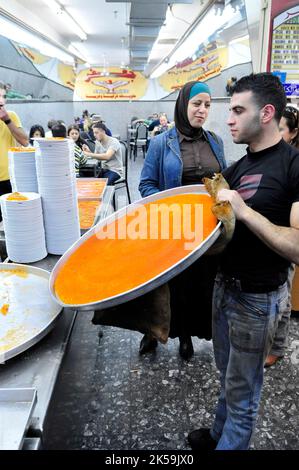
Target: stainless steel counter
38,367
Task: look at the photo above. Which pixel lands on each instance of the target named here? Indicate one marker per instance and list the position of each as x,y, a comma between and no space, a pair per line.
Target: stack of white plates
56,177
22,169
24,228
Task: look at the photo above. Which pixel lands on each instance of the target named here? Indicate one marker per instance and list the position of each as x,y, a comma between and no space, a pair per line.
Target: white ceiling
109,35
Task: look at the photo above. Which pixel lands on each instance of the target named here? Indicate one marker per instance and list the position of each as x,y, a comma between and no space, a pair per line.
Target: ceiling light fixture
201,31
105,72
26,38
73,49
123,63
67,18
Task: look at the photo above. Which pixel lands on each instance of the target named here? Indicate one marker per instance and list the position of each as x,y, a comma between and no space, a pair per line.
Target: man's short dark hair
51,123
266,89
99,125
2,85
59,130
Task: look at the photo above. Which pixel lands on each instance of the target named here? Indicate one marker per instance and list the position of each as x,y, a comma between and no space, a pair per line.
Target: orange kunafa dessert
87,213
4,309
16,197
92,189
135,248
21,149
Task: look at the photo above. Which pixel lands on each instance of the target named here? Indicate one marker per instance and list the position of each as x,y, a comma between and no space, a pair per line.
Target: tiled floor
108,397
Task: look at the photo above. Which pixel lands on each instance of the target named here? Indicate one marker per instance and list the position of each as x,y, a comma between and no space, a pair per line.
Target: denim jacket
163,166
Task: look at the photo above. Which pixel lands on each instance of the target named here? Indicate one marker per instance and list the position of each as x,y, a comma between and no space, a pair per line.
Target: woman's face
37,134
285,132
198,109
74,134
163,120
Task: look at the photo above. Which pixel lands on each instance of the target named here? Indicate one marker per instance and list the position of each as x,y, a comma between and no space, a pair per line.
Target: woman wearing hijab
184,155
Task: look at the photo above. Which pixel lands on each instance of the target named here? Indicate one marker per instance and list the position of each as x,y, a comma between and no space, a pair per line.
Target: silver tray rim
6,355
158,280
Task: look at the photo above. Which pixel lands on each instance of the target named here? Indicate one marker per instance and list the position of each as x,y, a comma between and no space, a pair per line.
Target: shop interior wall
25,78
118,115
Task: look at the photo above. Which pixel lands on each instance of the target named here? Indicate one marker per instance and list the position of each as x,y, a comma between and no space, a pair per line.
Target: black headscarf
180,113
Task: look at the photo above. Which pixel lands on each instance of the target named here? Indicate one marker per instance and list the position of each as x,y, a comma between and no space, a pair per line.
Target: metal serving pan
31,310
16,407
155,281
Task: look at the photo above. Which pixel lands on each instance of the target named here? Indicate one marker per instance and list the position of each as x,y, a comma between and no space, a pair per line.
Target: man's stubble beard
251,133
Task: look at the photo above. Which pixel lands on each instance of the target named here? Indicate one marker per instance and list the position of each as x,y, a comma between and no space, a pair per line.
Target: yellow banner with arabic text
115,83
204,67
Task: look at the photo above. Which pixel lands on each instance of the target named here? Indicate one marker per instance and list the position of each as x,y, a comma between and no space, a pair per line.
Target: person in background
51,123
289,130
86,121
137,121
251,287
73,132
14,94
81,120
230,85
289,126
184,155
59,130
97,118
11,134
35,132
133,119
163,126
155,121
108,152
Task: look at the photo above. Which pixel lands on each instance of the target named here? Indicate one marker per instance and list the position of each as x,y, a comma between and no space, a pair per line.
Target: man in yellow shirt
11,134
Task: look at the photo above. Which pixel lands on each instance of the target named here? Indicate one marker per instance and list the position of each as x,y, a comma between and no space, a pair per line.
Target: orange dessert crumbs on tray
4,309
87,212
16,197
17,272
115,259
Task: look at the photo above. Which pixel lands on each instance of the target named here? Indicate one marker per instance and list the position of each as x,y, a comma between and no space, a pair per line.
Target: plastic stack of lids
56,178
22,169
23,227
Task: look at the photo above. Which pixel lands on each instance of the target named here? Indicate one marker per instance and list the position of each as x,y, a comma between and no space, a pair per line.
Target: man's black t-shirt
268,181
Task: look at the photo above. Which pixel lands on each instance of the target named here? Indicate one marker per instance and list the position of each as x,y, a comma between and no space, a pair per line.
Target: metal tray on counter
163,277
27,310
16,407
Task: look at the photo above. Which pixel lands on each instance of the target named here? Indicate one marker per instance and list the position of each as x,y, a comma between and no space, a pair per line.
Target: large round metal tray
32,312
155,281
